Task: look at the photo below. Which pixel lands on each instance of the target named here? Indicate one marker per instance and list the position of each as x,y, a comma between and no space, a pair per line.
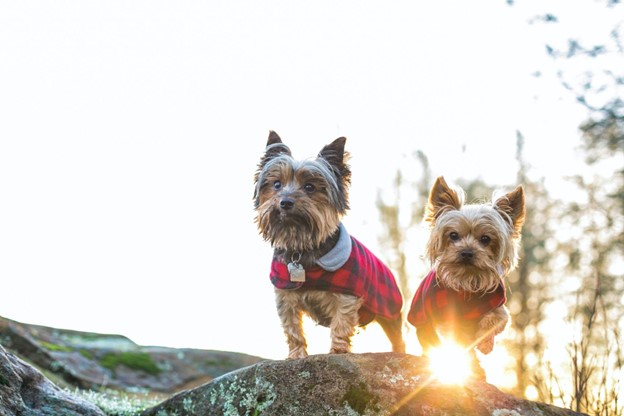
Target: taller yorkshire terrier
318,268
472,248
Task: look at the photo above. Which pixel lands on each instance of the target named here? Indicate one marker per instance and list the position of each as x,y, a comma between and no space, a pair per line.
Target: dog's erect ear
442,198
274,147
511,207
273,138
337,158
334,152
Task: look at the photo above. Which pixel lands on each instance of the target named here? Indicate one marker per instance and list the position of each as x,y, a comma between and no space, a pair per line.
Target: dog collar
337,256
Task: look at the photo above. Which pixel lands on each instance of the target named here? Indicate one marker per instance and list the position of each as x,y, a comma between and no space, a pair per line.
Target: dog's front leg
492,324
291,315
344,320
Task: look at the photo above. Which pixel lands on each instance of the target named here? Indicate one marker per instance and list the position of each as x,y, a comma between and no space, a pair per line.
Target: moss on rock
134,360
359,398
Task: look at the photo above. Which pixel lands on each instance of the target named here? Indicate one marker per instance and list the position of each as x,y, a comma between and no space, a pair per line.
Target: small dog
472,248
318,268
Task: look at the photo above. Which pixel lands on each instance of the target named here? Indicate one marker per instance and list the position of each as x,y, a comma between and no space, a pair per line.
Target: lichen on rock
373,384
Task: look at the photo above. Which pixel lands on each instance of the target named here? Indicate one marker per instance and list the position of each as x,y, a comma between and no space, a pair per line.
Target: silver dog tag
296,271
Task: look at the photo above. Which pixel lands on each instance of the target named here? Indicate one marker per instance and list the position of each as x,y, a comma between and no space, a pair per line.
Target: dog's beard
299,230
479,276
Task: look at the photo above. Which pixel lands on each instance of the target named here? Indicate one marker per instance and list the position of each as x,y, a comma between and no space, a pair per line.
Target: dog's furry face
299,203
473,245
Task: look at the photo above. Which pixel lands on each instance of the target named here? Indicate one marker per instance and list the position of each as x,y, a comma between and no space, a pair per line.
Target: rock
372,384
90,361
24,391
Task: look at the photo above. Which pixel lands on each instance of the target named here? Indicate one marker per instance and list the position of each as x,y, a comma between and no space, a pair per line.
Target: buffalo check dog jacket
435,304
349,268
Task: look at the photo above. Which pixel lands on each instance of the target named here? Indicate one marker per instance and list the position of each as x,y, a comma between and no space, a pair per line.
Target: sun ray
450,364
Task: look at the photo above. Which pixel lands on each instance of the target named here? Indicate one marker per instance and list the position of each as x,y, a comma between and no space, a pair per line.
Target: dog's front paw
486,345
297,353
339,350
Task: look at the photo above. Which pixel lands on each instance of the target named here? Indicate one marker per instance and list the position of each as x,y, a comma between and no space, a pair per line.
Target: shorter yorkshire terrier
318,268
472,248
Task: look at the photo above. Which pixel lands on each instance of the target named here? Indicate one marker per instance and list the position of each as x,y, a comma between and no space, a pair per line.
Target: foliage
399,218
588,251
596,353
86,354
55,347
529,285
134,360
591,241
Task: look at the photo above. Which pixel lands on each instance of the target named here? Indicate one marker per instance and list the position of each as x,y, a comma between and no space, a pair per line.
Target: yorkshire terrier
318,269
472,248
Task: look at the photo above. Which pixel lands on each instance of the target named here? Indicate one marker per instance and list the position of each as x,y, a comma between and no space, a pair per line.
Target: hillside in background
92,361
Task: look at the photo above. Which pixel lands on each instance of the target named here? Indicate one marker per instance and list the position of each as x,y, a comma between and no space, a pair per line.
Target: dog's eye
485,240
309,188
277,185
454,236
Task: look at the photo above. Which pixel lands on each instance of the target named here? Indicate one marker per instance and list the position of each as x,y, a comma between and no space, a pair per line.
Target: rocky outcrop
374,384
24,391
92,361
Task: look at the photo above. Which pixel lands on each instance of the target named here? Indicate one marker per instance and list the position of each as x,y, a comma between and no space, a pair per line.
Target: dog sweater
360,273
434,303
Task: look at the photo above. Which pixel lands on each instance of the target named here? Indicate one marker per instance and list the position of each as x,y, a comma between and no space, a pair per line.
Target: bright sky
130,132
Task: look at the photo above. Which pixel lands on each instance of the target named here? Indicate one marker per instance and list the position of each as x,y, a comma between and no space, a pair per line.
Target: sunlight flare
450,363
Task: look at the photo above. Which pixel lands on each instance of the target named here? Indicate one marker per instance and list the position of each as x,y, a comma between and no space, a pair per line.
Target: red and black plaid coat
363,275
435,304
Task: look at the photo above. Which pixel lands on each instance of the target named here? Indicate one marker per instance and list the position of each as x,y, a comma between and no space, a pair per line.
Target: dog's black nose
466,254
287,203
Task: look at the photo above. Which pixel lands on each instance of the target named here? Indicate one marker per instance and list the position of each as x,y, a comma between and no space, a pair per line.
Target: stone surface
87,360
373,384
24,391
